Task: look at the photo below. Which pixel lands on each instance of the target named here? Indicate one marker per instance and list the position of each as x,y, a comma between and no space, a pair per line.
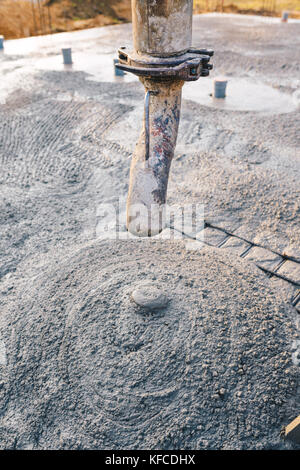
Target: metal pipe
220,85
67,55
163,59
151,160
118,73
162,28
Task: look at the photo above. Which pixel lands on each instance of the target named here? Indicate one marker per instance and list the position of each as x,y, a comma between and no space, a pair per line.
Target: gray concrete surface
70,340
87,368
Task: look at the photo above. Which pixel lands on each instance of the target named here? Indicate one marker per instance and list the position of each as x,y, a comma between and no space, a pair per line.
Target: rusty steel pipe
163,59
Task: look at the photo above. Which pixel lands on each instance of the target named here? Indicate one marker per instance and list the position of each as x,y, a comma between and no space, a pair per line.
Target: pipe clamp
187,67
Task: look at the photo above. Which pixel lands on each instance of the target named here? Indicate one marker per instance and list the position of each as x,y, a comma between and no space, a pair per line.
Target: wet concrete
67,323
93,370
242,94
99,66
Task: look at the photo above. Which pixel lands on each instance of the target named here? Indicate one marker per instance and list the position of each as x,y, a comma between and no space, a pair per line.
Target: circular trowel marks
241,95
210,370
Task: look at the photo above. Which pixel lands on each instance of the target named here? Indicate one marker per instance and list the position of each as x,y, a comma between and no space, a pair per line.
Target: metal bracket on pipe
188,67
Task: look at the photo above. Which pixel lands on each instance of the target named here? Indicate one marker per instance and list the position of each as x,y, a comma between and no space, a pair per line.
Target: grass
19,18
15,19
271,7
22,18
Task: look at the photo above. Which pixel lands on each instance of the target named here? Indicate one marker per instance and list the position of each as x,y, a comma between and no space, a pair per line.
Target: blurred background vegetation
22,18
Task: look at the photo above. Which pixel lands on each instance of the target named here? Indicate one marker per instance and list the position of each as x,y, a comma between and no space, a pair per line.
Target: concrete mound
85,367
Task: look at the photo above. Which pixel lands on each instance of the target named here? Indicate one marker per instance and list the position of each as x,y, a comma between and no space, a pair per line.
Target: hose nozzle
163,59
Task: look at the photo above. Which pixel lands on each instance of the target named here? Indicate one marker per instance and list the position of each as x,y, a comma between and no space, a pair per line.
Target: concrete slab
102,373
211,236
291,271
241,95
235,246
263,258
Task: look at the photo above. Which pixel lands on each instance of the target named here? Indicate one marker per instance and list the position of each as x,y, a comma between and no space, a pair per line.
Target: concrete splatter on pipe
162,28
163,59
152,157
